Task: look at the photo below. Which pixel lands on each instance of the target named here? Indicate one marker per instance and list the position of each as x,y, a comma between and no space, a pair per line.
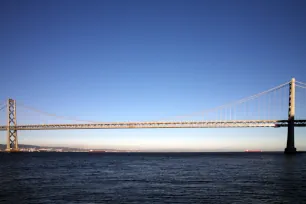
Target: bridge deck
184,124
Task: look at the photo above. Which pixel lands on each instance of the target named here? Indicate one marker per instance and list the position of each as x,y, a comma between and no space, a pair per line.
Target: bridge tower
12,140
290,148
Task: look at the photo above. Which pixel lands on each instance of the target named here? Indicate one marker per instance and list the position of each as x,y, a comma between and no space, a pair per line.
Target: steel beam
181,124
12,140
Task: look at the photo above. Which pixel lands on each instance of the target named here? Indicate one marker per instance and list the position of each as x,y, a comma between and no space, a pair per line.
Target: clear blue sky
148,60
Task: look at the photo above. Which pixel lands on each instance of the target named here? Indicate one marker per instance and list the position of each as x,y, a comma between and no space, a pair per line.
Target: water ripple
152,178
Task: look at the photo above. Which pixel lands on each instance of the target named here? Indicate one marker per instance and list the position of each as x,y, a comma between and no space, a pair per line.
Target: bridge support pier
290,148
12,140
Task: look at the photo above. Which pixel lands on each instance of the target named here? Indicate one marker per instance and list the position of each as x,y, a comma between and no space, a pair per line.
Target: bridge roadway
184,124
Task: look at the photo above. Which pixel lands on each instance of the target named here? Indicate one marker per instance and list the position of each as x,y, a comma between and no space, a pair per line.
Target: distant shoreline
147,152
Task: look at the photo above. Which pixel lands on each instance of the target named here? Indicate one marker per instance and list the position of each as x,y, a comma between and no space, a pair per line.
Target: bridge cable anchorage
233,103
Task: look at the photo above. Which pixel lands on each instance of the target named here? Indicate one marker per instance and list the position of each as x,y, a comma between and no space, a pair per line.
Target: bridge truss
183,124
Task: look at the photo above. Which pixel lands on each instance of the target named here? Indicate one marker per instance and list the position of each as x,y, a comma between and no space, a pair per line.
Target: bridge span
290,123
183,124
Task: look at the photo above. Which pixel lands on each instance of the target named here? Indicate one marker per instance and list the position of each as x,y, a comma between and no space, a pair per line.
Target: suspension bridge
275,108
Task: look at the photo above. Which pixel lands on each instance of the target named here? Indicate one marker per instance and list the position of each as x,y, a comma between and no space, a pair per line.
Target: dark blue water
152,178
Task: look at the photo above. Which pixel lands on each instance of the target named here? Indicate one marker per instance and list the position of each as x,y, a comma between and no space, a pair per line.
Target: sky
147,60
